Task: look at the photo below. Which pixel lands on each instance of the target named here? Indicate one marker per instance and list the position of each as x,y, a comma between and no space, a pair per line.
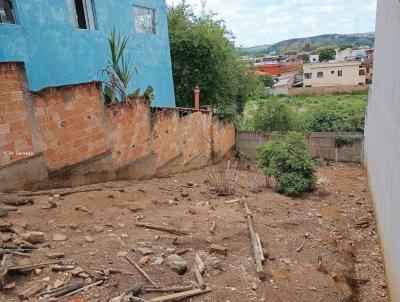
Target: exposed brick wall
130,131
70,123
78,140
15,132
166,136
195,140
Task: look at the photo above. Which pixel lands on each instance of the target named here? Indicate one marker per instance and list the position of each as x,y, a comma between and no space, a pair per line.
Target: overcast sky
255,22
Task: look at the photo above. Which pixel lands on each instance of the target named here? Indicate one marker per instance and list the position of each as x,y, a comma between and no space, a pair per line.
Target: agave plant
119,68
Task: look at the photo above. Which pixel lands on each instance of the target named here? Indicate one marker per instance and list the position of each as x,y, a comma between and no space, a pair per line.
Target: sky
255,22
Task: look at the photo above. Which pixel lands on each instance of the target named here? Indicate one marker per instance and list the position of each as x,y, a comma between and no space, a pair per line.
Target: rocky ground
322,246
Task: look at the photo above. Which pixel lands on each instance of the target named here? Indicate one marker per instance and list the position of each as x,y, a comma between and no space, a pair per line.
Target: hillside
315,42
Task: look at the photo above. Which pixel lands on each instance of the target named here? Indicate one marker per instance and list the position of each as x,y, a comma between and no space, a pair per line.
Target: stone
143,250
3,213
144,260
58,283
34,237
59,237
185,194
50,204
124,236
55,255
135,209
218,249
212,263
122,254
76,271
157,261
177,264
89,239
5,226
98,228
38,271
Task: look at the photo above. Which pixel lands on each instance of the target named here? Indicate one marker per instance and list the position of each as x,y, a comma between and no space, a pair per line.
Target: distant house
346,54
314,58
327,74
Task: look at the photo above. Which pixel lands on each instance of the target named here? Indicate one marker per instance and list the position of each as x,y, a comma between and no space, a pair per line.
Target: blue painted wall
56,53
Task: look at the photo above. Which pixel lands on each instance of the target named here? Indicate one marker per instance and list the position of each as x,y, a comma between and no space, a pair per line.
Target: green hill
311,43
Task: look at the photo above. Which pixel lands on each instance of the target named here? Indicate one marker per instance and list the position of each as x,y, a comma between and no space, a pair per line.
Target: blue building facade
64,42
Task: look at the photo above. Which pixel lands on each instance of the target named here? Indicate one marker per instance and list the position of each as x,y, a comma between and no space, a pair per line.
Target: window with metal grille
7,13
308,75
82,14
145,20
320,75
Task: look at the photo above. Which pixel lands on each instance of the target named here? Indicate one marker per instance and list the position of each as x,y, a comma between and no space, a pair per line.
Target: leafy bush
273,115
288,161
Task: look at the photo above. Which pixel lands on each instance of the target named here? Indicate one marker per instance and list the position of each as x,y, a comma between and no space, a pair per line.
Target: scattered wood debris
162,228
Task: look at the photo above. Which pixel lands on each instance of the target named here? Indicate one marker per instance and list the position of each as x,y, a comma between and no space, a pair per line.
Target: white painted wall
382,145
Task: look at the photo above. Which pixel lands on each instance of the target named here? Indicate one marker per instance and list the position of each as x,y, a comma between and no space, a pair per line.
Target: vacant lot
322,246
331,112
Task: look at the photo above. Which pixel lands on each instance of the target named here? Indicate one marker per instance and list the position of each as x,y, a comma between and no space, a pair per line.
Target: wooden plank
162,228
256,249
182,295
144,274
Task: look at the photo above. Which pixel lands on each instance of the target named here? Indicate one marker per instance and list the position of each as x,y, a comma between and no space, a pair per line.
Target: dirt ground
322,246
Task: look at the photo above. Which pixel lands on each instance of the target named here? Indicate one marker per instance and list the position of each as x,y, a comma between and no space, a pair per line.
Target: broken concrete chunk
34,237
177,264
59,237
218,249
54,255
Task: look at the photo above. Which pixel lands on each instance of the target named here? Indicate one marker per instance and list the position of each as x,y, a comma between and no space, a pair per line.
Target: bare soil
322,246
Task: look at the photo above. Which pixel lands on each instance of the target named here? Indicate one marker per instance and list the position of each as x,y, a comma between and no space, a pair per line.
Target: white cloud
269,21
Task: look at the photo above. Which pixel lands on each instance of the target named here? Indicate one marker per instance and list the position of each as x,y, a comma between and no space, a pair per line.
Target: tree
267,80
203,54
287,160
291,52
326,54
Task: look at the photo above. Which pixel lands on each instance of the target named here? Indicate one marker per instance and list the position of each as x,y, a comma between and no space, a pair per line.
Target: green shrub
273,115
286,158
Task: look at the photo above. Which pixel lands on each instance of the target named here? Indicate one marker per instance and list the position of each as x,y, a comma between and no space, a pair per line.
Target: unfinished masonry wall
320,145
65,136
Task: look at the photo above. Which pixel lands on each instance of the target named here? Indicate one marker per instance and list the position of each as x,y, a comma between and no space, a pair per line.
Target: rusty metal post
197,98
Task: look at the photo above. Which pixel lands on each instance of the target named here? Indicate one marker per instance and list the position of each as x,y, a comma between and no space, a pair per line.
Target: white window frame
90,18
13,12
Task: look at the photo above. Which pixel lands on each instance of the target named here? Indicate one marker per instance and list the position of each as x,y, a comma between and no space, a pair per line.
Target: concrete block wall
68,137
326,90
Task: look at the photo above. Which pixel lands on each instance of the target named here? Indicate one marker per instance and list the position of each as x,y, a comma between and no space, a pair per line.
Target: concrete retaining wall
382,145
66,136
326,90
320,145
